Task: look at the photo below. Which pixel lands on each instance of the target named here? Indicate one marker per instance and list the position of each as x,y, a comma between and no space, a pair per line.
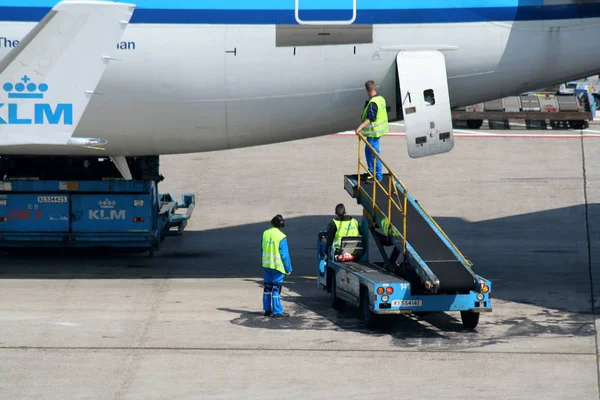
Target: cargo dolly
422,270
568,111
86,211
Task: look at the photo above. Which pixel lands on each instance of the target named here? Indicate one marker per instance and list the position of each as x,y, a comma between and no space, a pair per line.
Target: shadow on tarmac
306,300
539,259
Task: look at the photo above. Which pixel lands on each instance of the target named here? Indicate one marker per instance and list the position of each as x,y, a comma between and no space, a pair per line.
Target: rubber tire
336,302
577,124
474,123
369,317
470,319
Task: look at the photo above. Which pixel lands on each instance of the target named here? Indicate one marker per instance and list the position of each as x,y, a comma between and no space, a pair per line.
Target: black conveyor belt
453,275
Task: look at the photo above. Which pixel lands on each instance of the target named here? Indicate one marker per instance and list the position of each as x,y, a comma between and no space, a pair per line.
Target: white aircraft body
183,76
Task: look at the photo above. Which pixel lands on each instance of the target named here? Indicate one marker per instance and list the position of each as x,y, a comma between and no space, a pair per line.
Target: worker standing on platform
341,226
374,125
276,265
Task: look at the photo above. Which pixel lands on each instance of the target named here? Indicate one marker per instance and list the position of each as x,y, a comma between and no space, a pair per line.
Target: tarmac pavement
187,323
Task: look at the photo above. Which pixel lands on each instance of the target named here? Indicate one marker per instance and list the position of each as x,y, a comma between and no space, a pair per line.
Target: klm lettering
18,114
106,214
34,112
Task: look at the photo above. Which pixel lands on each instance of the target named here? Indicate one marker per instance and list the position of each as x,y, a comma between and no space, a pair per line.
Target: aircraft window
429,96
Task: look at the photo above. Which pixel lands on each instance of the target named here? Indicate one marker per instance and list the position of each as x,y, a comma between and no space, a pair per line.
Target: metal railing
392,190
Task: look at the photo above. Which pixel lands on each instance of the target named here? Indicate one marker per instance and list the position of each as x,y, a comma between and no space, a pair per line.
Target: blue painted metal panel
111,213
34,212
434,302
462,302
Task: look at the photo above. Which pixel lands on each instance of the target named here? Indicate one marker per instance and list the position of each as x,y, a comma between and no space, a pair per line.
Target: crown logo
107,203
25,89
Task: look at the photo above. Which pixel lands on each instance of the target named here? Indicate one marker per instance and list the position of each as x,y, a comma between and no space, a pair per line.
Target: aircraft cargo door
425,102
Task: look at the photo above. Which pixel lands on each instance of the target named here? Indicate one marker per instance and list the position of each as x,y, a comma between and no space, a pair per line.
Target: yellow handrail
402,209
388,192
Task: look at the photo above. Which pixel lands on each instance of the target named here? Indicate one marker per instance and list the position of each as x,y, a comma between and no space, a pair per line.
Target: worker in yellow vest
374,125
341,226
276,265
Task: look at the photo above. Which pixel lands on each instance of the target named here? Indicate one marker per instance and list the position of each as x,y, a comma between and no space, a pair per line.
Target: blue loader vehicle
422,270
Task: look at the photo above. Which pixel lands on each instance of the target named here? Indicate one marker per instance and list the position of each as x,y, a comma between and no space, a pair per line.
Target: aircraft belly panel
155,100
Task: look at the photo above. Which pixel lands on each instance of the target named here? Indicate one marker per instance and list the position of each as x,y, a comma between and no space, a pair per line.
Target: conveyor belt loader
423,272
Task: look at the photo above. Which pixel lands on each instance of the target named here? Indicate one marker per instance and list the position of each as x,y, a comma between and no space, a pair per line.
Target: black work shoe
267,313
284,315
369,180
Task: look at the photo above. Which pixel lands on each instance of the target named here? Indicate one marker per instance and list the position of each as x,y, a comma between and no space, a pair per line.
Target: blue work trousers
370,157
272,291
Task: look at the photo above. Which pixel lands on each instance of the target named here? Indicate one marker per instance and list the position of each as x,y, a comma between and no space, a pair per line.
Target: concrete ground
188,323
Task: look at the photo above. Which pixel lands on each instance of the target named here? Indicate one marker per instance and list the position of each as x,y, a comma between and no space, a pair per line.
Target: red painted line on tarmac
527,137
504,136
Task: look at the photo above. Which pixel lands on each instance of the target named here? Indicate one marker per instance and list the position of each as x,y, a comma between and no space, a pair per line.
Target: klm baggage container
80,213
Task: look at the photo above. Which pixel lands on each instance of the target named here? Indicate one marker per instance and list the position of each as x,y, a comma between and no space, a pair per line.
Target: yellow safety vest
385,226
344,228
270,249
379,127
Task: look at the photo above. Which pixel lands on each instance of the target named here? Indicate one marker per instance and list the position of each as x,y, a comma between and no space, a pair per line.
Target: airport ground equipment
422,270
569,111
81,202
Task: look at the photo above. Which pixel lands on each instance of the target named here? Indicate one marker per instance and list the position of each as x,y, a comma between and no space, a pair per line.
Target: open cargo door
425,102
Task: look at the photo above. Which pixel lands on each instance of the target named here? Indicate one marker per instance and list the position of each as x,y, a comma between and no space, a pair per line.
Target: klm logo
107,214
107,211
35,112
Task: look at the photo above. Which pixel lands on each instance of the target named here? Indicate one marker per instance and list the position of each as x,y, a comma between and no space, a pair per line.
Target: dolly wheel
470,319
577,124
474,123
336,302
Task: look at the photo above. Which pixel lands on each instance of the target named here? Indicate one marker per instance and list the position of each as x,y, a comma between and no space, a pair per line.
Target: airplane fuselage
192,80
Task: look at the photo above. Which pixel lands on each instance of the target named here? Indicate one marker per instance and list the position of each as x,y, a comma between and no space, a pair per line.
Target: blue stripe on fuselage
303,4
390,16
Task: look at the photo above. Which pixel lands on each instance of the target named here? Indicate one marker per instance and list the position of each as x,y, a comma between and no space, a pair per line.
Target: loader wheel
470,319
577,124
336,302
